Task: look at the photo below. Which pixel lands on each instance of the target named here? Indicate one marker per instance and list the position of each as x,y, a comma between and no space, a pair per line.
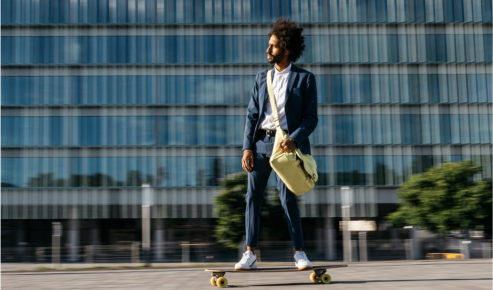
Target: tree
445,198
230,207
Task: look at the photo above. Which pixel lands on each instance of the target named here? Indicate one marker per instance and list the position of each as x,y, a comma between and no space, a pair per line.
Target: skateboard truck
320,276
320,272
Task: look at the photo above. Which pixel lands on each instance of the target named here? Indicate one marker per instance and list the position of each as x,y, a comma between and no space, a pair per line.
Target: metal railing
267,251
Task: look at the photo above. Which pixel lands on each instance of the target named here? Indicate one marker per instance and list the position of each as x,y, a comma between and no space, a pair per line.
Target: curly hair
290,38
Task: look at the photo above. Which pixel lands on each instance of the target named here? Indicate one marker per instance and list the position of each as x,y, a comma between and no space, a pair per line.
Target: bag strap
275,113
272,99
273,104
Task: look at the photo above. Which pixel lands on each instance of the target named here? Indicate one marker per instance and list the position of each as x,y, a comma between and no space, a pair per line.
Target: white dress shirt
279,85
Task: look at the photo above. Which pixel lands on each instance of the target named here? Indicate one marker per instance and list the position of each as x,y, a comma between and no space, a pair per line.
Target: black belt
271,133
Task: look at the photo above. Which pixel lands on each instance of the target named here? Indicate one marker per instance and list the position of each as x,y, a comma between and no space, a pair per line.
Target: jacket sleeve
310,119
252,117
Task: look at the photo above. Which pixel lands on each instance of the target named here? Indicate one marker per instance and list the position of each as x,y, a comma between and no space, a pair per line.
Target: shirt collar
285,71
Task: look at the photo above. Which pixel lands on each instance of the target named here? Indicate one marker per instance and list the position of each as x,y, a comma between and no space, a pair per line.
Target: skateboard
319,274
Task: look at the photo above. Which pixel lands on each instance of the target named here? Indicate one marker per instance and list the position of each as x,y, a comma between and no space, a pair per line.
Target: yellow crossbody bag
297,170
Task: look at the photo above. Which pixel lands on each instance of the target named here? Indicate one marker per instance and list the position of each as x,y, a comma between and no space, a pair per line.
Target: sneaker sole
305,268
244,269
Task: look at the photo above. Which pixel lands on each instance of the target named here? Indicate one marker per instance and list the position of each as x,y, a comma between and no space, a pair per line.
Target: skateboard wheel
213,281
222,282
325,278
314,278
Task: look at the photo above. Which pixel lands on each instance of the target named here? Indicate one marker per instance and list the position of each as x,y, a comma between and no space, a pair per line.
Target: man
296,97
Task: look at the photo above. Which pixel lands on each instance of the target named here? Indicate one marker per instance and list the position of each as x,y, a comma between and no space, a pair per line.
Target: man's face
275,54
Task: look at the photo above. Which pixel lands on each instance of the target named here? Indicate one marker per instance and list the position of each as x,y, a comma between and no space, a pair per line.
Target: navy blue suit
301,116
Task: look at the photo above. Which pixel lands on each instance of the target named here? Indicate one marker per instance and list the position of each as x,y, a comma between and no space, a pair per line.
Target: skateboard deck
319,274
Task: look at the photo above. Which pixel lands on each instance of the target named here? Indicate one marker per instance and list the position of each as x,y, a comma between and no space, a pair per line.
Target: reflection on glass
222,49
234,11
404,129
380,170
235,90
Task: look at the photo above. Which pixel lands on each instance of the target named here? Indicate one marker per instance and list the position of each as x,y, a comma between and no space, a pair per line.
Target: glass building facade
101,96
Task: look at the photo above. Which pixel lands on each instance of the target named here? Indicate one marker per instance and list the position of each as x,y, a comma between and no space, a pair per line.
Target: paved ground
470,274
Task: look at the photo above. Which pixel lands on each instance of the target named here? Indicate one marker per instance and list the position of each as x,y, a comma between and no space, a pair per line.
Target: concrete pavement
435,275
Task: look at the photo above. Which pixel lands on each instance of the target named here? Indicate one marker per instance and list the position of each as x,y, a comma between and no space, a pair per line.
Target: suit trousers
257,182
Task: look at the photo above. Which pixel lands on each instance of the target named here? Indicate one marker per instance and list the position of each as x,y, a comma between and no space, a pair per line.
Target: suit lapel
292,77
266,93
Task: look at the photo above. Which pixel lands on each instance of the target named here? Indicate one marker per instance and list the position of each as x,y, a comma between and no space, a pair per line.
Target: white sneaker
302,261
247,262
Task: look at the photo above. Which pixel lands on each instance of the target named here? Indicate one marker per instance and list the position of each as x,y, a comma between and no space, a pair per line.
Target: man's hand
247,161
288,145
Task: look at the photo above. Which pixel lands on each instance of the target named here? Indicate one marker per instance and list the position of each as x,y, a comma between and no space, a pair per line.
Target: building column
330,236
416,244
21,240
320,236
158,240
73,235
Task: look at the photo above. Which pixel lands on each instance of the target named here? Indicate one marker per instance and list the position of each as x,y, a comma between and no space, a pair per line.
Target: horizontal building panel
260,30
235,151
177,203
242,70
239,111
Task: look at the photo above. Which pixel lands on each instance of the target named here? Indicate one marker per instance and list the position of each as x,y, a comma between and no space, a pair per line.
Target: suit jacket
300,108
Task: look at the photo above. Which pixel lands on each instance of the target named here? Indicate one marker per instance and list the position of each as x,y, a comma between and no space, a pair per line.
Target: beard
276,58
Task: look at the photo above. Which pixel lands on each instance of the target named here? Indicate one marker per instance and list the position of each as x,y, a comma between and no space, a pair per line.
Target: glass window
470,49
433,88
486,9
344,132
406,127
162,130
475,128
425,129
472,88
435,129
357,130
386,129
398,172
482,90
367,130
452,88
445,129
8,129
23,93
443,88
6,47
379,170
462,90
487,44
465,129
6,12
455,129
10,172
484,129
348,82
489,86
